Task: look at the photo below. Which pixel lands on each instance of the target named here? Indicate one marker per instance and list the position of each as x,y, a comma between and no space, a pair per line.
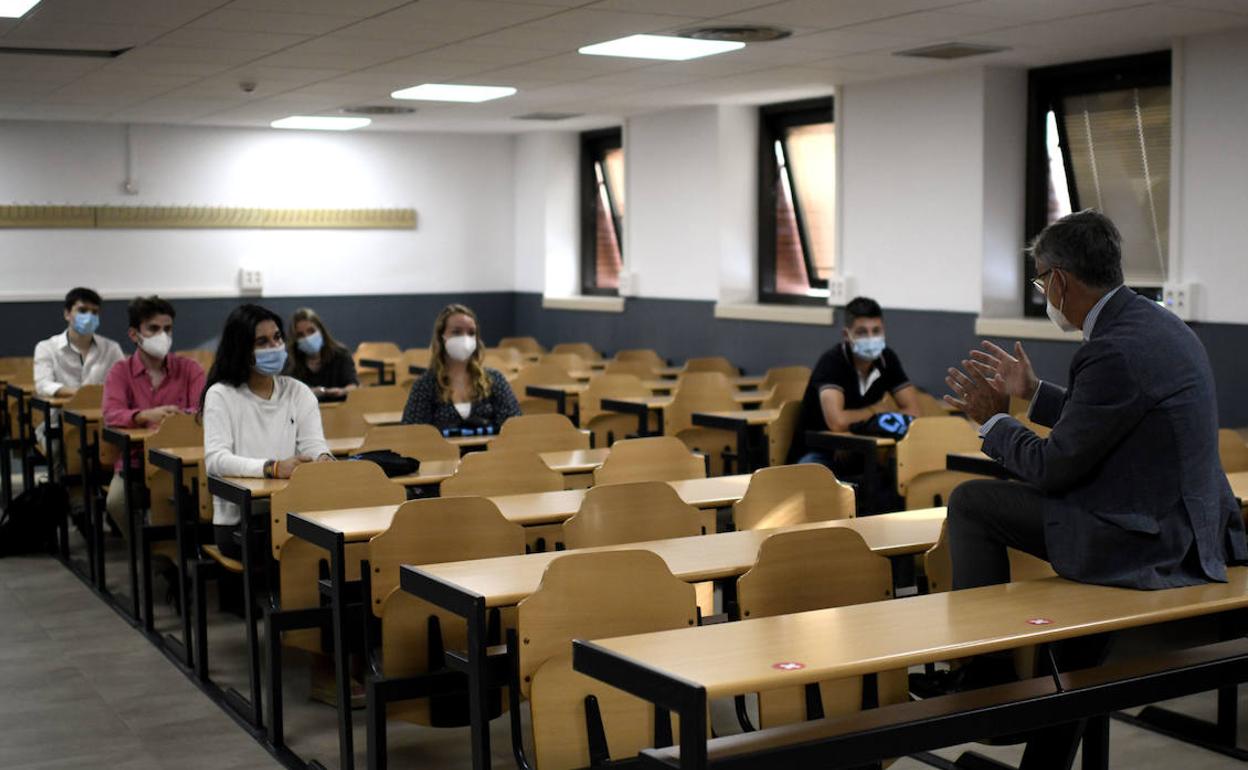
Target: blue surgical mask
270,361
869,348
86,323
311,344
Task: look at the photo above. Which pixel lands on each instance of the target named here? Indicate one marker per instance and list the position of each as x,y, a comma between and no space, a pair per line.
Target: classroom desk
87,421
175,461
374,419
8,442
385,368
661,386
977,463
684,668
471,588
564,395
870,489
750,425
24,438
51,431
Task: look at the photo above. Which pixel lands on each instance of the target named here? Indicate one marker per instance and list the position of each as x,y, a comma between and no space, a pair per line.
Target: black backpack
392,463
28,524
884,425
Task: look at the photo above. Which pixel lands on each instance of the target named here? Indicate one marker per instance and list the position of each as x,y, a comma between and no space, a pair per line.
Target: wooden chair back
415,357
502,472
698,392
180,430
426,532
337,421
592,596
610,426
503,359
527,346
642,370
928,443
785,390
540,433
929,405
568,362
87,397
938,565
202,357
1232,450
779,374
712,364
377,350
641,354
423,442
17,368
380,398
656,458
582,349
612,514
781,431
792,494
808,570
539,374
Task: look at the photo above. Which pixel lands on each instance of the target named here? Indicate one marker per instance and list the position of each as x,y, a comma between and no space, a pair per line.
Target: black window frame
594,147
773,119
1046,88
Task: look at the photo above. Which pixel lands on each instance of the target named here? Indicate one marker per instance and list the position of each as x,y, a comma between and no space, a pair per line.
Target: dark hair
236,351
1085,244
143,308
81,293
862,307
331,348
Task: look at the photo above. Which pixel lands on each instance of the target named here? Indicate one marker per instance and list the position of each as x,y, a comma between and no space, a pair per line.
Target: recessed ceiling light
664,47
320,123
445,92
15,9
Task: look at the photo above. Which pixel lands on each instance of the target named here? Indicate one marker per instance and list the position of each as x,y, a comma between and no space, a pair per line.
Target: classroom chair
422,442
642,370
414,357
712,364
780,432
703,392
779,374
527,346
607,427
582,349
809,570
1233,451
502,472
410,634
539,374
87,397
655,458
930,406
785,390
17,368
337,421
157,537
568,362
204,358
505,360
642,354
380,398
786,495
922,479
590,596
540,433
612,514
373,350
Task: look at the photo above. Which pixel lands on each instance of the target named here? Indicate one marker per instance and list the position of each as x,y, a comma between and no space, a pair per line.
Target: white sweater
243,431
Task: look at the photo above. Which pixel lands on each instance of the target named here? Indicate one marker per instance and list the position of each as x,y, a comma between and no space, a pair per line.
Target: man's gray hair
1085,244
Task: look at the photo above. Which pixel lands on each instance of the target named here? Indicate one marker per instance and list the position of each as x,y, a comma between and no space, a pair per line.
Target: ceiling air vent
737,33
81,53
950,51
549,116
377,109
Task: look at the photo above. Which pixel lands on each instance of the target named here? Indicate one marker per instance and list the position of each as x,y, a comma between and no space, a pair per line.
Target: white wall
546,213
460,186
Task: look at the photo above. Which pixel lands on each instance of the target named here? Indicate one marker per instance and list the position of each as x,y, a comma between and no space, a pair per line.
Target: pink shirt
128,390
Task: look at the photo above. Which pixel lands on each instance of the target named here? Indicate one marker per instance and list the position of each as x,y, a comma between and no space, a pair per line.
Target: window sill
584,303
1024,328
789,314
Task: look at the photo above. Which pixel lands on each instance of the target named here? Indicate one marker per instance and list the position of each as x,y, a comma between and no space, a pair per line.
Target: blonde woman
456,391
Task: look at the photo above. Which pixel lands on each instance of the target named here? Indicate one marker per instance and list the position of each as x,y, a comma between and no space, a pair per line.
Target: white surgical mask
1056,315
462,347
869,348
157,345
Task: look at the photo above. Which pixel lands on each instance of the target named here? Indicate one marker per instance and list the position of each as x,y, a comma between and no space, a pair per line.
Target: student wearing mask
850,380
77,356
257,423
456,390
318,360
150,386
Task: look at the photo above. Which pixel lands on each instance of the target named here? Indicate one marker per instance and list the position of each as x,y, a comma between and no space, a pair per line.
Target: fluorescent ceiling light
664,47
445,92
317,123
15,9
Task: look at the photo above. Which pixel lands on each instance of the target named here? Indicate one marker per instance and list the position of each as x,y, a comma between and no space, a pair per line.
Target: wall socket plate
840,290
1180,299
250,281
628,283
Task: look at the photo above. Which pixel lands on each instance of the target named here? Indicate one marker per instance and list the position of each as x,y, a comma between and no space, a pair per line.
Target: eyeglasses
1038,281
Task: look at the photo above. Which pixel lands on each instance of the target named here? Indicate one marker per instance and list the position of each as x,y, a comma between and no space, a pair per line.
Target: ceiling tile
262,42
238,20
827,15
1029,10
355,8
163,13
1141,27
701,8
571,30
1230,6
61,34
931,25
845,41
47,68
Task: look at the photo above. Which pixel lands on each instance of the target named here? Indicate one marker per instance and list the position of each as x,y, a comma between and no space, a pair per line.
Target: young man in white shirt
77,356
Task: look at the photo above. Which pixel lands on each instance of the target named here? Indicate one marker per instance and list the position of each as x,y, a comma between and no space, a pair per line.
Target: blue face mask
270,361
311,344
869,348
86,323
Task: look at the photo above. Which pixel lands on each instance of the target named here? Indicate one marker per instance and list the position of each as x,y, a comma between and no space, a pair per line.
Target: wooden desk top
748,416
383,418
504,581
879,442
576,460
1239,485
738,657
649,402
567,388
553,507
93,415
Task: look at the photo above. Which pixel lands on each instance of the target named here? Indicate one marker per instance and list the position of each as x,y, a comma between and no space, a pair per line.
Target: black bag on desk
883,425
392,463
29,524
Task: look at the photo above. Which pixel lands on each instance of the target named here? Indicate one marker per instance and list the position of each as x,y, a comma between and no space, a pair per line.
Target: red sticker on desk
1039,622
788,665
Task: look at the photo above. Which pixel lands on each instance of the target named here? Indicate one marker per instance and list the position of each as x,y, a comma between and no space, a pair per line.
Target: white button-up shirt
59,364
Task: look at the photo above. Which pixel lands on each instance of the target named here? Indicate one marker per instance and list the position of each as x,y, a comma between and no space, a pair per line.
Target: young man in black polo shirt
851,379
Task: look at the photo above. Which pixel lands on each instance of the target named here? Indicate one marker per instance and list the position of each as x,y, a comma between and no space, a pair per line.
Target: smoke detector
377,109
737,33
947,51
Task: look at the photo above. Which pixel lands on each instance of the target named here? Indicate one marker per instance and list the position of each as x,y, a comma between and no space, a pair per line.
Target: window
796,202
602,211
1099,137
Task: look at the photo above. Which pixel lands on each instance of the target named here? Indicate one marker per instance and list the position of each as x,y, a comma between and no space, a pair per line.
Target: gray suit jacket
1136,495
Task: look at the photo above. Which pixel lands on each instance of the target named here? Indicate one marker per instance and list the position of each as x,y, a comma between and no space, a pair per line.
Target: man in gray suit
1127,490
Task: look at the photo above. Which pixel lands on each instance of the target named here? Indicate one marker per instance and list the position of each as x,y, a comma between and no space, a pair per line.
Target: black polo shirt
836,370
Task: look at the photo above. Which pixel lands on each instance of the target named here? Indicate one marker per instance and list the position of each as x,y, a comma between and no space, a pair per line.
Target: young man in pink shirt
148,387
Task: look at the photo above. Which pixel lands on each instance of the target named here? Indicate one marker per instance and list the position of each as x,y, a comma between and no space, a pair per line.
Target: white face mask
157,345
462,347
1056,315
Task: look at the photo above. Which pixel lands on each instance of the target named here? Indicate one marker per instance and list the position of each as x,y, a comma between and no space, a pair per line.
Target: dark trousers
986,517
224,536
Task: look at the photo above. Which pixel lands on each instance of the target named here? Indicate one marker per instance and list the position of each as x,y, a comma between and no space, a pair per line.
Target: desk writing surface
750,397
189,455
383,418
89,415
650,402
536,508
879,442
344,446
714,492
259,488
429,472
505,580
1239,485
748,416
576,460
733,658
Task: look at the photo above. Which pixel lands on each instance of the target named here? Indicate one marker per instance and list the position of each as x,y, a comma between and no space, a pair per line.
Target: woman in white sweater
256,422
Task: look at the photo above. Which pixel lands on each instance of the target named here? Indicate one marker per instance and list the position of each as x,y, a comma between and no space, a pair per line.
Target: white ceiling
317,56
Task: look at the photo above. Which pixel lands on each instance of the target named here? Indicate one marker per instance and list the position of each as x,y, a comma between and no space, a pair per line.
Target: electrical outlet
250,281
628,284
1179,299
840,291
